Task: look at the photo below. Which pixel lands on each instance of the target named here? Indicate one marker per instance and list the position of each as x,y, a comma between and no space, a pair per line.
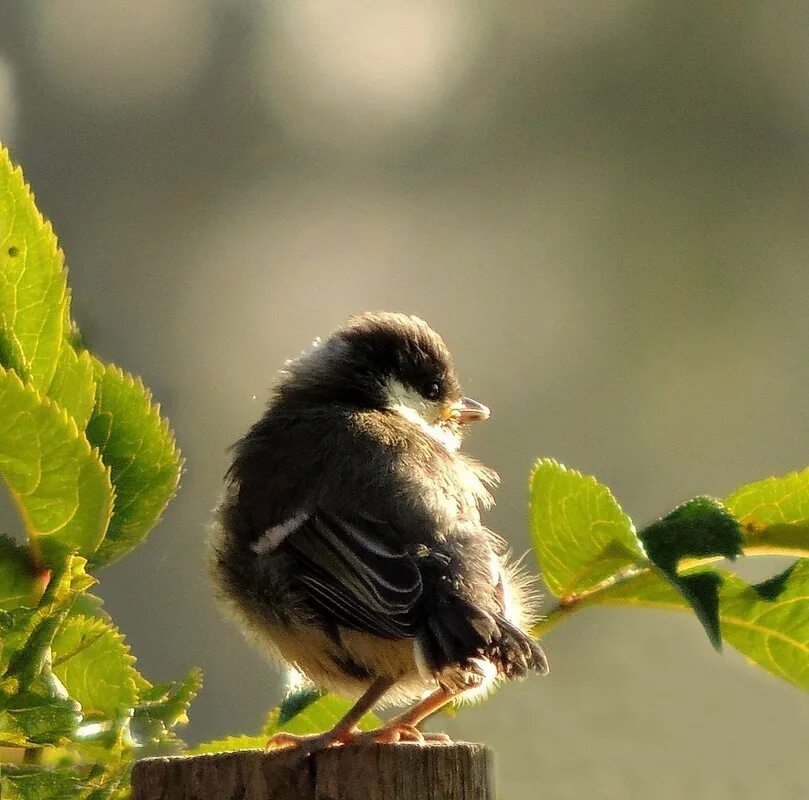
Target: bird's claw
401,732
438,737
392,733
312,742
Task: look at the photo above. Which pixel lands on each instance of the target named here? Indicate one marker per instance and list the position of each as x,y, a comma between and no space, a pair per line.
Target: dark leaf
701,528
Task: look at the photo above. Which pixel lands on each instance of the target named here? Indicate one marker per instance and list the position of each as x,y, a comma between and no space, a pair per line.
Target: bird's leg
344,732
404,728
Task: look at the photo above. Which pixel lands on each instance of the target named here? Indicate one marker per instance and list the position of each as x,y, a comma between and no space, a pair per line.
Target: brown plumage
350,541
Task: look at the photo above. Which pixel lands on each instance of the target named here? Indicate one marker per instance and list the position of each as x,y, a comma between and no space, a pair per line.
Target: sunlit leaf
162,707
242,742
302,712
768,622
37,716
28,632
60,485
775,513
92,660
138,446
579,532
307,711
33,282
73,385
68,685
26,782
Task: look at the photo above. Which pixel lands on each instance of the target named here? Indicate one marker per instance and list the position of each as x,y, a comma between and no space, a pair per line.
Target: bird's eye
432,390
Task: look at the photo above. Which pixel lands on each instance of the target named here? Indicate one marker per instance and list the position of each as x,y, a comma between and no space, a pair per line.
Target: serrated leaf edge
45,227
590,479
73,430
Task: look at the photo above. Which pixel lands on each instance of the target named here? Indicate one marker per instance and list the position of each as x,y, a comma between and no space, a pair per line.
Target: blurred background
601,206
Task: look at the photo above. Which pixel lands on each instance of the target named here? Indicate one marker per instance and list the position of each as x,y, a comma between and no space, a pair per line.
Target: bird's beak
469,410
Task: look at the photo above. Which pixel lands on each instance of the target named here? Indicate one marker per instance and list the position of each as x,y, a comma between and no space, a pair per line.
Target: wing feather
359,572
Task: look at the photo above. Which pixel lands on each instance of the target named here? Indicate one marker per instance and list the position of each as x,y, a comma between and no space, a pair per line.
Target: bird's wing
358,571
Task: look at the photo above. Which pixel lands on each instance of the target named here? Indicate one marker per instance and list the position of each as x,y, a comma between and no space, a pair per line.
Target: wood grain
457,771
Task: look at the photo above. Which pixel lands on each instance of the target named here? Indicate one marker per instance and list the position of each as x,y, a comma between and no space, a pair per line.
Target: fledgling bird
349,538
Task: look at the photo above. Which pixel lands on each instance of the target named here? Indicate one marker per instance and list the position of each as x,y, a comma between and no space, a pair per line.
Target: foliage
671,563
303,711
590,554
90,465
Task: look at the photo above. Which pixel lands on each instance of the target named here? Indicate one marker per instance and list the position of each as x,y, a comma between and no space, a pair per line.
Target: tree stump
457,771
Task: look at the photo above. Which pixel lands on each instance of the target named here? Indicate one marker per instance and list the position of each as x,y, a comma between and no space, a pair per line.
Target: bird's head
389,362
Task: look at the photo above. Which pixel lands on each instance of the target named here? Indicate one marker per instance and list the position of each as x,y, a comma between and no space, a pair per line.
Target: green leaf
31,662
90,605
768,622
308,711
648,588
27,633
775,513
302,711
700,528
73,386
62,489
20,585
108,781
33,281
39,783
228,743
15,629
11,354
772,588
161,707
92,660
579,532
168,703
37,716
138,446
296,702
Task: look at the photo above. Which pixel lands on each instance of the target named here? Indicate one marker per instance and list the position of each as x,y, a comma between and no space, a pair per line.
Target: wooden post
457,771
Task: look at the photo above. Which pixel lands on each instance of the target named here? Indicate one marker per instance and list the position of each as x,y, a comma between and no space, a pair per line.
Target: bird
348,541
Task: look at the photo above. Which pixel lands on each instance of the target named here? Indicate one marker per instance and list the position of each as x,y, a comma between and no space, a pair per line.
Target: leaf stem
766,543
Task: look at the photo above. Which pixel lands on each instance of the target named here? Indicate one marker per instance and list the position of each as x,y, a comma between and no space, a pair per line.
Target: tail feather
456,632
516,652
459,631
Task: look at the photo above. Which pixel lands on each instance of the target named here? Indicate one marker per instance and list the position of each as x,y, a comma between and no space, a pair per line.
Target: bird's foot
312,742
391,733
395,732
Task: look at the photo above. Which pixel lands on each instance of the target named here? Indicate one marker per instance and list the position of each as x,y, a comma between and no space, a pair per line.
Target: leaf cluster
591,555
90,465
304,710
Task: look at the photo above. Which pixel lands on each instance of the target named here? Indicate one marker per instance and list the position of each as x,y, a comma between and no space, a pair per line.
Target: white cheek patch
441,435
412,406
404,397
272,537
